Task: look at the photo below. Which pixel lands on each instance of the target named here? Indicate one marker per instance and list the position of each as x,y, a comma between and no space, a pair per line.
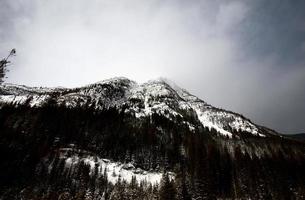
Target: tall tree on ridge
3,65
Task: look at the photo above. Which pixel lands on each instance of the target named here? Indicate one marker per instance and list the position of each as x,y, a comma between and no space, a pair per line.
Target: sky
242,55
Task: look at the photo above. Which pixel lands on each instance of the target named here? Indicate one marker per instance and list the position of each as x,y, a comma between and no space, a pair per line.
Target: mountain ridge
159,96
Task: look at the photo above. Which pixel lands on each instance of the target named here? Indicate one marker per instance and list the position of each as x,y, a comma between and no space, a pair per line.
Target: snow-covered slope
105,167
141,100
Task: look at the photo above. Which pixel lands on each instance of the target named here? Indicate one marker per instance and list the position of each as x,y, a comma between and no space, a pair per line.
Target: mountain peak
116,79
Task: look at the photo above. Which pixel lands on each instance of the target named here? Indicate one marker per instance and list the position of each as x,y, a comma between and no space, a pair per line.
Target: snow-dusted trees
168,189
3,64
205,167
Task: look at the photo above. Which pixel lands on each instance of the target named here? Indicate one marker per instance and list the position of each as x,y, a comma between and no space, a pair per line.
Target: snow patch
12,99
114,170
207,122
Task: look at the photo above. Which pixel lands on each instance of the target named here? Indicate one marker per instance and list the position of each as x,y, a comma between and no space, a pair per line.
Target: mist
243,56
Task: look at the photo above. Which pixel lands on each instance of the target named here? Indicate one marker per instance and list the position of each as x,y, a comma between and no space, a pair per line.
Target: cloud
231,15
91,41
222,51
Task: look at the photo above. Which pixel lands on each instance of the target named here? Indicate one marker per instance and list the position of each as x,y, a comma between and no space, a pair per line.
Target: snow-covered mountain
117,139
141,100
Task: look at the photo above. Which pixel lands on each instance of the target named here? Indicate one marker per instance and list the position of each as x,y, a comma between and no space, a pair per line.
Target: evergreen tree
167,190
3,64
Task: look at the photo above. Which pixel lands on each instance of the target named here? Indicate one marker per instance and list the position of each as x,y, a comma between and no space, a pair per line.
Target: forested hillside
55,151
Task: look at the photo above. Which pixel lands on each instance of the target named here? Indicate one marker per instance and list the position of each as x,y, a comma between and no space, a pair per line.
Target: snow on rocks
210,123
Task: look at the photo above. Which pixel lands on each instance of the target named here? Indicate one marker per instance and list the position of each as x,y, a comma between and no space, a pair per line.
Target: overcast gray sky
243,55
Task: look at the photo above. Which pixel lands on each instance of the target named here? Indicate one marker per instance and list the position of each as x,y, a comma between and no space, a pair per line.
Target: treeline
206,166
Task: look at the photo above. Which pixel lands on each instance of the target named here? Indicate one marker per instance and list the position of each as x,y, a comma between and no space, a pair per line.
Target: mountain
298,136
160,97
117,139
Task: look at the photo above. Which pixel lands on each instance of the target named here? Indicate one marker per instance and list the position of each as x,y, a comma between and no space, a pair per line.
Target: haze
245,56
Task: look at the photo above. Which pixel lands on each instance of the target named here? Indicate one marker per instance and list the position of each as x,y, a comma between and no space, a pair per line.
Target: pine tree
167,190
3,64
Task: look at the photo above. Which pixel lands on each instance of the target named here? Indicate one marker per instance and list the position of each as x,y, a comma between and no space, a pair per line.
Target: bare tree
3,64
